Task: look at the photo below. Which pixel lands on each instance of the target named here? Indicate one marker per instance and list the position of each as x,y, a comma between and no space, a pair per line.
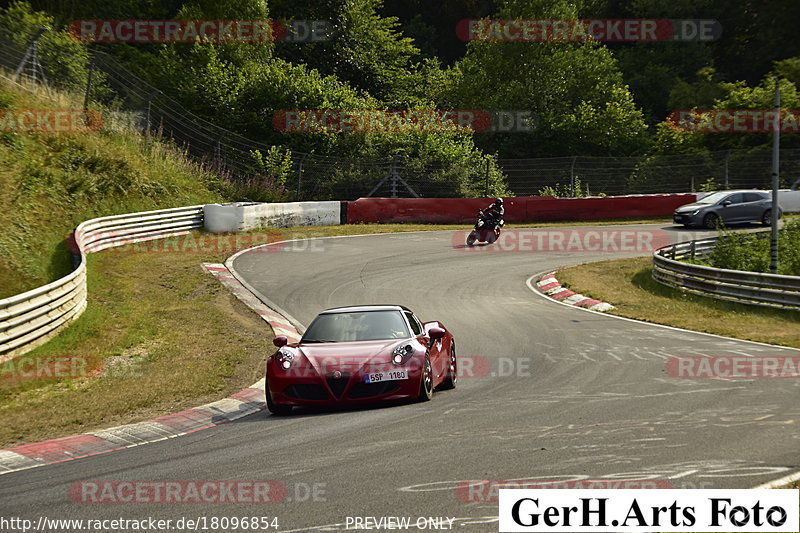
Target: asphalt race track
564,394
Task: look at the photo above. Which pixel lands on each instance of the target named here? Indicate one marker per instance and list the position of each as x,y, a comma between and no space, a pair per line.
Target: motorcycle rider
493,215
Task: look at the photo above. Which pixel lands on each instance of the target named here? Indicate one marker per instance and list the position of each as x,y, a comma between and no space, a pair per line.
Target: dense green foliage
605,99
751,252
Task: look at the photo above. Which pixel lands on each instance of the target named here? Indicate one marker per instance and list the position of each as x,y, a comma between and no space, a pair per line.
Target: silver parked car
732,207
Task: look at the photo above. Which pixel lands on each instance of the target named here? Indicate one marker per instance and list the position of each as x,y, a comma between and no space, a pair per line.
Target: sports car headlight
284,359
401,353
695,212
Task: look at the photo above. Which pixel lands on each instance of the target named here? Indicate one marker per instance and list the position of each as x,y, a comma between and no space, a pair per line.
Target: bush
751,252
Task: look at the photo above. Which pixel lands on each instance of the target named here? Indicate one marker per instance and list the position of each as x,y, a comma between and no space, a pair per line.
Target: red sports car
357,355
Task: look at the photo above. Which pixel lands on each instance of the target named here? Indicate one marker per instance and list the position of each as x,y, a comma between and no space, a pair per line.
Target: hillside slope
50,182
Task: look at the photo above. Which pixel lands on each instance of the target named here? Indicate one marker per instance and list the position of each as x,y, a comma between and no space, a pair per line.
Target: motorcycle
485,230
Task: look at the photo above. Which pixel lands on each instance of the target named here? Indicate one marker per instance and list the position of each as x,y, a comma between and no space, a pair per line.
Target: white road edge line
642,322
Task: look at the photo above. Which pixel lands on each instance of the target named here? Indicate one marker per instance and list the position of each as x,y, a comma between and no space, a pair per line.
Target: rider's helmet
498,201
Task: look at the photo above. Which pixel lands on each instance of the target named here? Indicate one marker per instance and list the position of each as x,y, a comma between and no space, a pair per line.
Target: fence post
32,55
87,97
394,176
487,178
300,175
692,249
149,102
572,176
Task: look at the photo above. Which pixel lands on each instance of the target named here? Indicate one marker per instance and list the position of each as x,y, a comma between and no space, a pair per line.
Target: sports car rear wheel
426,383
452,371
276,408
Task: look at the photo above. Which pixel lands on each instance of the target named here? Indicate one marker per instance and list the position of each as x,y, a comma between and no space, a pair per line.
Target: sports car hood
350,356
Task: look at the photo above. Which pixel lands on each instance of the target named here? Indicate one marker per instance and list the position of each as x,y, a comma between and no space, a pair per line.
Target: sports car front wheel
276,408
426,383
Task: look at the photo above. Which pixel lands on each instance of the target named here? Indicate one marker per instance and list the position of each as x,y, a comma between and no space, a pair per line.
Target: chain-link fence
101,78
579,175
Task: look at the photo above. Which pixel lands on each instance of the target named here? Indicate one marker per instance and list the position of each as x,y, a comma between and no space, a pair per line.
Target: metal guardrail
31,318
751,288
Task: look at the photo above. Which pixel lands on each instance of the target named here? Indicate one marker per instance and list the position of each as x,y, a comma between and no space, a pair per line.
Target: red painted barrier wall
519,209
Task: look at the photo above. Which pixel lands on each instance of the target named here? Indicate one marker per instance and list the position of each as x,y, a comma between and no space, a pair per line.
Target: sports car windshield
363,326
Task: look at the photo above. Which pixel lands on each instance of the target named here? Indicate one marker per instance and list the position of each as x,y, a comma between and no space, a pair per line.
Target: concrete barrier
517,209
244,216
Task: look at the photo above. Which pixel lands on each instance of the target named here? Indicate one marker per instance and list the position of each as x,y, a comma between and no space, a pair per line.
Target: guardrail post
692,249
672,252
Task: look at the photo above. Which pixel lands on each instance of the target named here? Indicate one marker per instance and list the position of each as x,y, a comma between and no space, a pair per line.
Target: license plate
392,375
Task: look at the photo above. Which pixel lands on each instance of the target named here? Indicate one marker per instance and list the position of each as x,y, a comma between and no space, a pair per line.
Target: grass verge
629,286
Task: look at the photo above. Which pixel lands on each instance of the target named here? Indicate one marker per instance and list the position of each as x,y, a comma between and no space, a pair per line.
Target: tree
574,88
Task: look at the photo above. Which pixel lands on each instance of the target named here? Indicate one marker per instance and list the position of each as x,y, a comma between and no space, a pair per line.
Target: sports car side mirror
436,333
280,341
726,203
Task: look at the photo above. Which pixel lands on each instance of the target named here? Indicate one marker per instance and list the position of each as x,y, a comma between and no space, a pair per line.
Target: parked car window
735,198
712,198
753,197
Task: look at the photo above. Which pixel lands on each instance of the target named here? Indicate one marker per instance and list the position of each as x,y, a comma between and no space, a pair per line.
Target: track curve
567,395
